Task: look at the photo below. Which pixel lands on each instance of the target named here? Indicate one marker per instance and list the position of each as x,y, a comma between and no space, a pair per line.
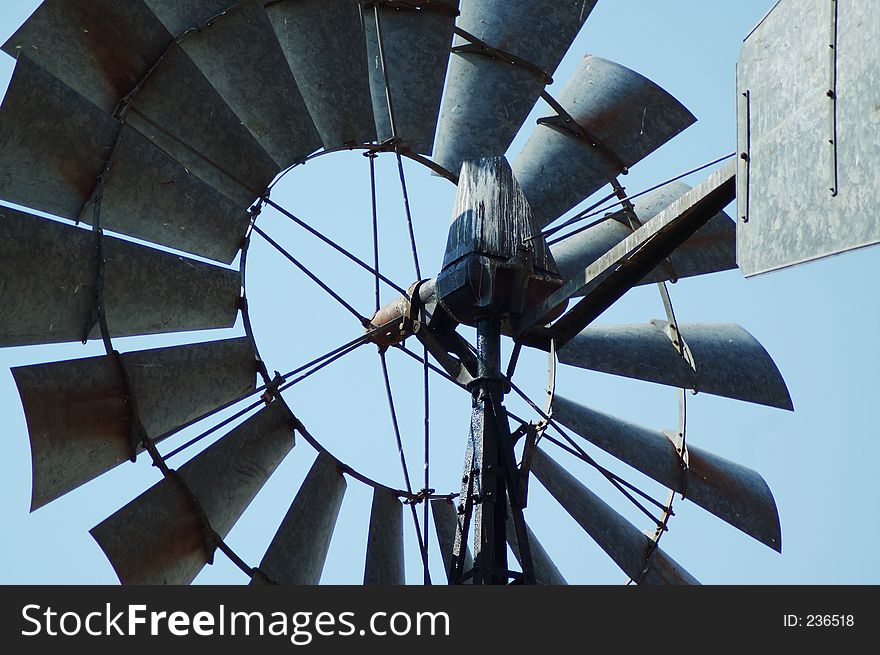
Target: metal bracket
431,6
832,96
479,47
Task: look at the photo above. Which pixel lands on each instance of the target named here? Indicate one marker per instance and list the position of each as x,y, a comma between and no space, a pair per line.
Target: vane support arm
604,281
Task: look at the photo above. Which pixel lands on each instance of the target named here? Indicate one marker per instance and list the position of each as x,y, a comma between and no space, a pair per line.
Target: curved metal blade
321,36
159,537
105,49
240,56
53,148
297,553
145,291
416,46
445,524
628,116
729,361
77,411
711,249
487,100
546,572
733,493
621,540
384,564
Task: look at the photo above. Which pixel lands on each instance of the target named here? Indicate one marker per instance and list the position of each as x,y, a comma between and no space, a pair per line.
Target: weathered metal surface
729,361
326,49
104,49
546,572
711,249
416,46
627,114
53,147
731,492
159,538
486,267
621,540
145,291
180,111
607,279
297,553
384,563
240,56
446,523
809,132
77,411
487,100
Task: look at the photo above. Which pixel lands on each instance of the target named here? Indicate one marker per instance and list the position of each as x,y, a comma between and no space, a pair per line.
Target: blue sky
819,322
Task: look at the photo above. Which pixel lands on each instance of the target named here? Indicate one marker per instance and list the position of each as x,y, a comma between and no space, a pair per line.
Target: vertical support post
490,482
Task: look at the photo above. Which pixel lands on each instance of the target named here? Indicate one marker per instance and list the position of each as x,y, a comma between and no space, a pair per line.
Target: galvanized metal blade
729,361
384,562
416,54
326,50
165,535
711,249
240,56
297,553
78,411
145,291
631,550
626,116
487,98
53,148
106,50
734,493
446,524
546,572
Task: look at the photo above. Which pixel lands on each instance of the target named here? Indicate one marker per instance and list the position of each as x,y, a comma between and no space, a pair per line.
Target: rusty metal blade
53,147
629,117
105,49
487,100
731,492
297,553
145,291
240,56
729,361
77,411
711,249
621,540
546,572
416,46
445,524
159,537
384,564
326,49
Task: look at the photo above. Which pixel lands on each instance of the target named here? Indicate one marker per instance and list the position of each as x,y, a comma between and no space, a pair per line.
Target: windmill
130,148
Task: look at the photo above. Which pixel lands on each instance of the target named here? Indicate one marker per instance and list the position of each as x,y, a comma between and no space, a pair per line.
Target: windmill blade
384,563
546,572
621,540
106,49
145,291
240,56
487,98
78,411
729,361
322,35
160,536
711,249
620,118
53,148
297,553
731,492
416,47
446,524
